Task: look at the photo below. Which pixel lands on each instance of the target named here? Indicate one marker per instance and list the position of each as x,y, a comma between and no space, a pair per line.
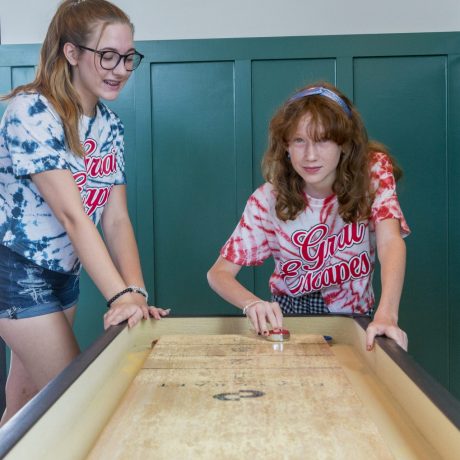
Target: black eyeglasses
110,59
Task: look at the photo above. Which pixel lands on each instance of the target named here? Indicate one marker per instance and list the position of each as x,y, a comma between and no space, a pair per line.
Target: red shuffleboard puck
278,335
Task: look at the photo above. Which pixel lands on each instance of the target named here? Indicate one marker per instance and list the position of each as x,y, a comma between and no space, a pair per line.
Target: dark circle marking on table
240,395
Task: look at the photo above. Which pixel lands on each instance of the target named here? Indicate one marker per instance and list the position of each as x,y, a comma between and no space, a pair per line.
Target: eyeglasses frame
120,57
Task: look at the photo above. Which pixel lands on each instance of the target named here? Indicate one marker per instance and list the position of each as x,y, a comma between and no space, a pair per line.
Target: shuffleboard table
209,388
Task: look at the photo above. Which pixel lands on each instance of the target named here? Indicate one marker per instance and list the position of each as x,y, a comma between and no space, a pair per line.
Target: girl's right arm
59,190
222,279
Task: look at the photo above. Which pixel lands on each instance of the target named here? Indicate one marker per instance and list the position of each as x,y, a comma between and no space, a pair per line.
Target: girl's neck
318,193
90,112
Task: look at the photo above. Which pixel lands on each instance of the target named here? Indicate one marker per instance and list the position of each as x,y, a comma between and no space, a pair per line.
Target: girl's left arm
121,243
391,251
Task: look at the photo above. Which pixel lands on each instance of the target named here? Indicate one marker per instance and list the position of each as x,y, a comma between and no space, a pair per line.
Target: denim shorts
27,290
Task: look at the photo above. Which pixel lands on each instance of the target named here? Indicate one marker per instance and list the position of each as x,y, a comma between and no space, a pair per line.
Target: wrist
140,290
130,293
385,316
138,298
249,304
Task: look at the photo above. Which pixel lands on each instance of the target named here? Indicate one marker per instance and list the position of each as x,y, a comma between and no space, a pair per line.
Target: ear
71,52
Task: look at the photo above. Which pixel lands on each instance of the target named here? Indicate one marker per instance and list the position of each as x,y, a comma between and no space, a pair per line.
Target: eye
297,140
109,56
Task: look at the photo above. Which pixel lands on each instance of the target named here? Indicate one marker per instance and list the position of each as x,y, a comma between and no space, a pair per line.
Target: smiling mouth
112,83
311,169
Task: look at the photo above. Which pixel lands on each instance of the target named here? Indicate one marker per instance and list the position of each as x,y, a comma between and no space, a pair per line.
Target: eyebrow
109,48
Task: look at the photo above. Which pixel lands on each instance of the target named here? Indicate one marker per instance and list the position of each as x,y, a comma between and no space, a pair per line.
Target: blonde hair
74,22
331,119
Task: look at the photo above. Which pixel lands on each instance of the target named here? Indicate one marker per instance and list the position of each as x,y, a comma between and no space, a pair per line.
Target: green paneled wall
196,115
193,133
404,102
453,210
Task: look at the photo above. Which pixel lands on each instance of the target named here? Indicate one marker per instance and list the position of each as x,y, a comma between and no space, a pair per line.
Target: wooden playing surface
240,396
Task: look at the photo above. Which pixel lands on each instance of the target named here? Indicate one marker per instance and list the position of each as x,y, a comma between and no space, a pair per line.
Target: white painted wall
25,21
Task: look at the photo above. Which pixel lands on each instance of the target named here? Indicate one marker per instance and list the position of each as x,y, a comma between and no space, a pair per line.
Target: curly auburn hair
329,121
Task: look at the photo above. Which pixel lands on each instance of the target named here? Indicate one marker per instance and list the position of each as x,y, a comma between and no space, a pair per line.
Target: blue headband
321,91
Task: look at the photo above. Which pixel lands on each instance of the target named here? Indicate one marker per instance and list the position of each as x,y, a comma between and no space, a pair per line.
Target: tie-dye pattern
317,250
32,141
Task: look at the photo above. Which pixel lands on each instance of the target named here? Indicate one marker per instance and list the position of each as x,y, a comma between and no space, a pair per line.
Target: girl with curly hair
328,205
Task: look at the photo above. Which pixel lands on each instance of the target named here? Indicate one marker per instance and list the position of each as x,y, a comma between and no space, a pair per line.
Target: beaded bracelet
116,296
250,304
140,291
132,288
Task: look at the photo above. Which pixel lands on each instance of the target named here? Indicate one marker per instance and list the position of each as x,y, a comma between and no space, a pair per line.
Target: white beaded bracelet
140,291
250,304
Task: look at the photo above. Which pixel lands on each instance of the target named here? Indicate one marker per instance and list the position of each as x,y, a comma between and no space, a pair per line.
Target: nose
310,151
120,69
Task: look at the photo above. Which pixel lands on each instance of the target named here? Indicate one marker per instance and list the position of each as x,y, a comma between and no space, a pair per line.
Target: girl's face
91,80
315,162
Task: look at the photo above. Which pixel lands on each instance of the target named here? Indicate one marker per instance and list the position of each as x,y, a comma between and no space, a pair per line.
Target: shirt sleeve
386,204
34,136
249,243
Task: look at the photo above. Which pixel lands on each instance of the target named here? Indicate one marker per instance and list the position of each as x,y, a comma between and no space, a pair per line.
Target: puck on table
278,335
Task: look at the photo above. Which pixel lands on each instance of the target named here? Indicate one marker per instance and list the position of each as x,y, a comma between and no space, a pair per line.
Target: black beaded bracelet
116,296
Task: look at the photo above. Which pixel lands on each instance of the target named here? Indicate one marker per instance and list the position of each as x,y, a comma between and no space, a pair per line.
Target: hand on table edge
387,328
133,313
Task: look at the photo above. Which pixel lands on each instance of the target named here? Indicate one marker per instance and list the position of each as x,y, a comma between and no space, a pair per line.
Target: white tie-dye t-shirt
317,251
32,141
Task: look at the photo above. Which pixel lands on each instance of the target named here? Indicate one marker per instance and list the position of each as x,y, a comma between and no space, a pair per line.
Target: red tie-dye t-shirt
318,250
